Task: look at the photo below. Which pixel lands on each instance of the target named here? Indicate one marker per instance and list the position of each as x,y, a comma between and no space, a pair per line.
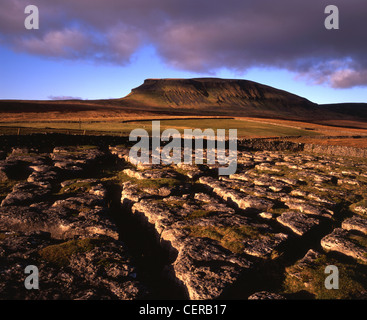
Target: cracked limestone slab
357,223
308,207
344,242
241,200
266,295
151,174
26,193
202,264
207,270
298,222
60,222
264,246
87,269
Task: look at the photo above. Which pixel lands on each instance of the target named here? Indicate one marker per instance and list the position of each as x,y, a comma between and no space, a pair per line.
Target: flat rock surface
89,268
99,226
298,222
347,243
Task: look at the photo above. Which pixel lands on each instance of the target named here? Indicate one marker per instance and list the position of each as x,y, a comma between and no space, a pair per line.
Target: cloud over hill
198,35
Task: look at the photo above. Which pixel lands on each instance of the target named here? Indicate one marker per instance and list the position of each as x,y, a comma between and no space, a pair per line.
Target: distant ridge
203,97
218,96
358,110
234,97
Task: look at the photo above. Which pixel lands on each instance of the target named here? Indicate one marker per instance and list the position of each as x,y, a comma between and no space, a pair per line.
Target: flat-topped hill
192,97
219,96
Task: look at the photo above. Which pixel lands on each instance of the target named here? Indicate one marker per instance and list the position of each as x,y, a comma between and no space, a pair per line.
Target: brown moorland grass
248,129
105,116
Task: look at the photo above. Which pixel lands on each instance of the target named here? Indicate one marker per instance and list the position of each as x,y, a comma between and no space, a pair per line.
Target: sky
101,49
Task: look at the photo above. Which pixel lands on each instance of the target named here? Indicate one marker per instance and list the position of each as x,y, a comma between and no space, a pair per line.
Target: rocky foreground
97,227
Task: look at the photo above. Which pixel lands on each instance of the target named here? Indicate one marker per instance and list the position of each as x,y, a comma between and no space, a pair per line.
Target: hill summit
220,97
194,97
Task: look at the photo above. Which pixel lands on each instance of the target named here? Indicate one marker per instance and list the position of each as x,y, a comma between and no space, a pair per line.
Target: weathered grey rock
240,176
266,215
264,246
267,167
203,197
27,193
158,215
341,241
73,160
348,181
278,186
3,175
151,174
47,174
131,194
28,158
308,261
204,277
357,223
164,214
360,208
41,168
215,206
206,269
68,166
80,186
209,230
308,207
323,201
289,181
239,199
121,152
262,181
192,171
60,222
242,185
162,192
80,202
100,270
98,190
265,295
298,193
23,218
298,222
21,150
322,178
314,197
109,266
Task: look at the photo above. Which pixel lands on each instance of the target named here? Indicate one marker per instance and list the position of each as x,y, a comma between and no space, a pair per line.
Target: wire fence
9,130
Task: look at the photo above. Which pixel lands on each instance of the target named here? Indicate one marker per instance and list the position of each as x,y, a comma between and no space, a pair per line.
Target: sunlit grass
244,128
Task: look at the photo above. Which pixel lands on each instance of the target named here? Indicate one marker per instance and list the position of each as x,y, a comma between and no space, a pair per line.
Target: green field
244,128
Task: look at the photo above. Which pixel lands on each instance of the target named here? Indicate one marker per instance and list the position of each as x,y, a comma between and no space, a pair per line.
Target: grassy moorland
296,131
338,133
255,110
244,128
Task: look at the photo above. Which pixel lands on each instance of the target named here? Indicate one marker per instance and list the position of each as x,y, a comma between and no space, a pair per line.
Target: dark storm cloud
200,35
